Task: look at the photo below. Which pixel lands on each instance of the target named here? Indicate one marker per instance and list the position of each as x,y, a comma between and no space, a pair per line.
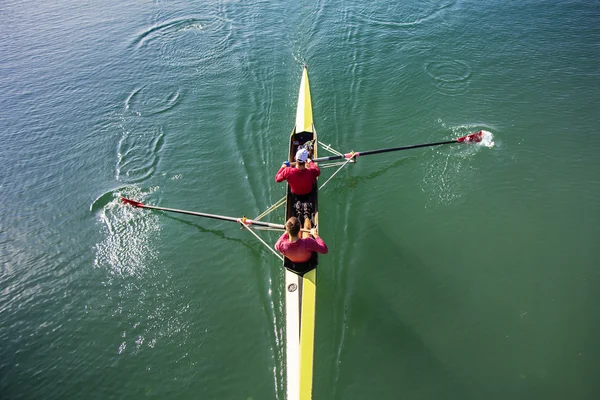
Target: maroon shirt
301,250
300,180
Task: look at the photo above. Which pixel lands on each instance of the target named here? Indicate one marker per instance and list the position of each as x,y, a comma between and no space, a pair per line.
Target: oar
244,220
473,137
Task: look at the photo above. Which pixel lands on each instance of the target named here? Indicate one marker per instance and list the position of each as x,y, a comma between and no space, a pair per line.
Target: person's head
301,157
292,226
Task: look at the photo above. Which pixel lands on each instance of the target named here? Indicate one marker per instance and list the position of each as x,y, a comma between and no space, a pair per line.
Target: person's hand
286,163
313,232
308,160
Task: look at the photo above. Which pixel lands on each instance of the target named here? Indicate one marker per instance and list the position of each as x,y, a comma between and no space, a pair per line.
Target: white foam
487,139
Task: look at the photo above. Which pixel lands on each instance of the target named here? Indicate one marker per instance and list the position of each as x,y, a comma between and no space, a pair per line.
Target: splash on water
487,139
451,172
136,285
126,250
105,198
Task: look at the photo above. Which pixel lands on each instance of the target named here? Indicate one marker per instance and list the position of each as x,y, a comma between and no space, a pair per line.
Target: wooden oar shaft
206,215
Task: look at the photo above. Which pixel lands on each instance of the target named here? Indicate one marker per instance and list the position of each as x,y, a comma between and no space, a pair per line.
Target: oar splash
487,139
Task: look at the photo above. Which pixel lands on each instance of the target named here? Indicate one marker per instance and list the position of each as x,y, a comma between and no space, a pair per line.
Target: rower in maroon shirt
301,179
299,250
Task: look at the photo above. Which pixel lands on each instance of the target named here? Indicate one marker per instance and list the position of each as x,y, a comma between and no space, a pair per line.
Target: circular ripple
449,76
187,41
138,156
401,13
144,101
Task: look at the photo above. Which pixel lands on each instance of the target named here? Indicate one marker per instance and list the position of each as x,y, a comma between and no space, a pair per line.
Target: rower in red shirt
299,250
301,177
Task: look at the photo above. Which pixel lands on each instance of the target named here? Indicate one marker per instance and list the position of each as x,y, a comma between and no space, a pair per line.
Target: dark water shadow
252,246
271,299
396,357
383,351
352,182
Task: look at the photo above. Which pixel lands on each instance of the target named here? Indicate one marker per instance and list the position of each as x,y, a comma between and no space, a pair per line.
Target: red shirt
300,180
301,250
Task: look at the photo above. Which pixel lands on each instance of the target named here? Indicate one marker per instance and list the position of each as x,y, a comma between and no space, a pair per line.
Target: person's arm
313,166
281,244
317,244
282,174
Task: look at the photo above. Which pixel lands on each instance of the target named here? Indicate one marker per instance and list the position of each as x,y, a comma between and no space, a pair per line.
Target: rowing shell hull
301,290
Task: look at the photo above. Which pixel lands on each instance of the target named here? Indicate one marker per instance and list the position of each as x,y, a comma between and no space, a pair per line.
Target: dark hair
293,226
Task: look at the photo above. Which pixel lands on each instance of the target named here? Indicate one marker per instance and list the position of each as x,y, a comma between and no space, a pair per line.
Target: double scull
301,288
301,279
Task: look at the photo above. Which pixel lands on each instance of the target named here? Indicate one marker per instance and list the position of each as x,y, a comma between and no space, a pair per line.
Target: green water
454,272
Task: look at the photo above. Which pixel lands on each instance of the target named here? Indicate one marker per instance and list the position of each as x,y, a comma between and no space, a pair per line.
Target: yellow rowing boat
301,283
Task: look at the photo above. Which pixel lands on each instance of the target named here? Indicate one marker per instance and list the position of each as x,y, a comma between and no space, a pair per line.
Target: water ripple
400,14
138,156
144,102
449,76
187,41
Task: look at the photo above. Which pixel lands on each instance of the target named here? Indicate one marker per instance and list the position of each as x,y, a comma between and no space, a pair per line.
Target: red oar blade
132,202
473,137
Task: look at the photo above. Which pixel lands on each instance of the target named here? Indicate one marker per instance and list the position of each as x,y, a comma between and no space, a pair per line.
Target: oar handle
293,163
